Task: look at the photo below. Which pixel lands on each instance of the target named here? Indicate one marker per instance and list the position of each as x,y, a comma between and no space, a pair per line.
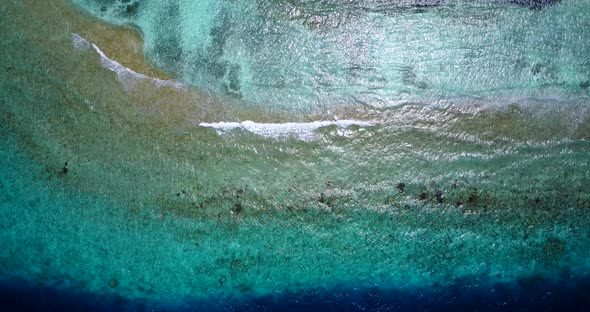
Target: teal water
314,55
100,196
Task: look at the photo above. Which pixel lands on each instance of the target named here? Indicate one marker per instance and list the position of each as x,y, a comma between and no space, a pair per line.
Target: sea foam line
124,74
303,130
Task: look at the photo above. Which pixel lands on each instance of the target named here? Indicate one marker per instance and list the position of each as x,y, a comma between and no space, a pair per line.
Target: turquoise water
475,182
313,55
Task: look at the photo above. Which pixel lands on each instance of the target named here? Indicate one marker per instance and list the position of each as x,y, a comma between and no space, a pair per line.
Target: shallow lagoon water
318,54
111,190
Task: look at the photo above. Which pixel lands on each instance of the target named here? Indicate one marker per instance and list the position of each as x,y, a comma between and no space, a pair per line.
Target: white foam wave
303,130
124,74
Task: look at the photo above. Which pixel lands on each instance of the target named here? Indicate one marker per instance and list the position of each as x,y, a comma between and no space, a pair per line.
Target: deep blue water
534,293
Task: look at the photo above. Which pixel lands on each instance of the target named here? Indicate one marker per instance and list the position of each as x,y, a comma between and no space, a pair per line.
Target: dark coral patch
535,4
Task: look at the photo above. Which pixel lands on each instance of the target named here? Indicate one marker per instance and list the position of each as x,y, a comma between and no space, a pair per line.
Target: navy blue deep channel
527,294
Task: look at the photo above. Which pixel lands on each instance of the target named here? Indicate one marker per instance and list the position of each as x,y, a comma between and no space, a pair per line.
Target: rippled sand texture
113,188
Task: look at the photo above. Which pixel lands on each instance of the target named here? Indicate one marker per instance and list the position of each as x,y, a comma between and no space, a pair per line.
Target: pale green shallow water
164,213
319,54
